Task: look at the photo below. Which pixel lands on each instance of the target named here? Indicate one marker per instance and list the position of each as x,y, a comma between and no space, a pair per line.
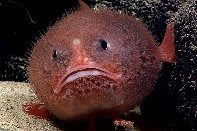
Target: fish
93,64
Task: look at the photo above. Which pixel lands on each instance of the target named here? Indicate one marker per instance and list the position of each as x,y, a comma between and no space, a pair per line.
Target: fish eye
55,54
58,55
104,45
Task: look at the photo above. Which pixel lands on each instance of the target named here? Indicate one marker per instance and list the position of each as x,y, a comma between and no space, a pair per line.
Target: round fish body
93,64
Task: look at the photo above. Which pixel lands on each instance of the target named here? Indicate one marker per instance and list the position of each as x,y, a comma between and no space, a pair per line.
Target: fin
167,48
37,110
120,122
83,5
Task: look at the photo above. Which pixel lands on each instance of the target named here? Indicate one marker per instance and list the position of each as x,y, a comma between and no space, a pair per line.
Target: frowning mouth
83,71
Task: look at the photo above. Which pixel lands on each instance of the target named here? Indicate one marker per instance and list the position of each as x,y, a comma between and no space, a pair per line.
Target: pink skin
95,66
84,70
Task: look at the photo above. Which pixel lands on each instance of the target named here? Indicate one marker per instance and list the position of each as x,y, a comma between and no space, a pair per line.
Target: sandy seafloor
12,118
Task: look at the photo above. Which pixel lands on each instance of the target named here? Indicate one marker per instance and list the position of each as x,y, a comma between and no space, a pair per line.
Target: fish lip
87,68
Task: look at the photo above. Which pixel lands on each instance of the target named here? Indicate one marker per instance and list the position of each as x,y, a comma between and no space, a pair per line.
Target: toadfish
96,63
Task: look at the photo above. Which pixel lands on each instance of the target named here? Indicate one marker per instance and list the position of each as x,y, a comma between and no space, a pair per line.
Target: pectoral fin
167,48
37,110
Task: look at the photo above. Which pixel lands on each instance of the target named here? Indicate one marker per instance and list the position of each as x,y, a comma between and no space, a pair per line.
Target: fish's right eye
58,55
55,54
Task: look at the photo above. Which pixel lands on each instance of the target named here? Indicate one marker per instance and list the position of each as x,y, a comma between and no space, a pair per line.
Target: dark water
21,23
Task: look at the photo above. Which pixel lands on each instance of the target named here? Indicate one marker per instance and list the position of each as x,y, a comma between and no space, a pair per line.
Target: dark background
21,23
17,30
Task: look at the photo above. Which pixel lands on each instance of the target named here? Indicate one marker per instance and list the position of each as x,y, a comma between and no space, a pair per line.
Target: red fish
96,63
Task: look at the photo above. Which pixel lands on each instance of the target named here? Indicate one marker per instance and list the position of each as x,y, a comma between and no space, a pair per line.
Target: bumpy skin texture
132,52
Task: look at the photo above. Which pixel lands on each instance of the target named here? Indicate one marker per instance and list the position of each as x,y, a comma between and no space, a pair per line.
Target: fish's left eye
104,45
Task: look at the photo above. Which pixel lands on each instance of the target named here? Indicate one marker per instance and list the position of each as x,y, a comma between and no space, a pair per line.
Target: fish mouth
83,71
